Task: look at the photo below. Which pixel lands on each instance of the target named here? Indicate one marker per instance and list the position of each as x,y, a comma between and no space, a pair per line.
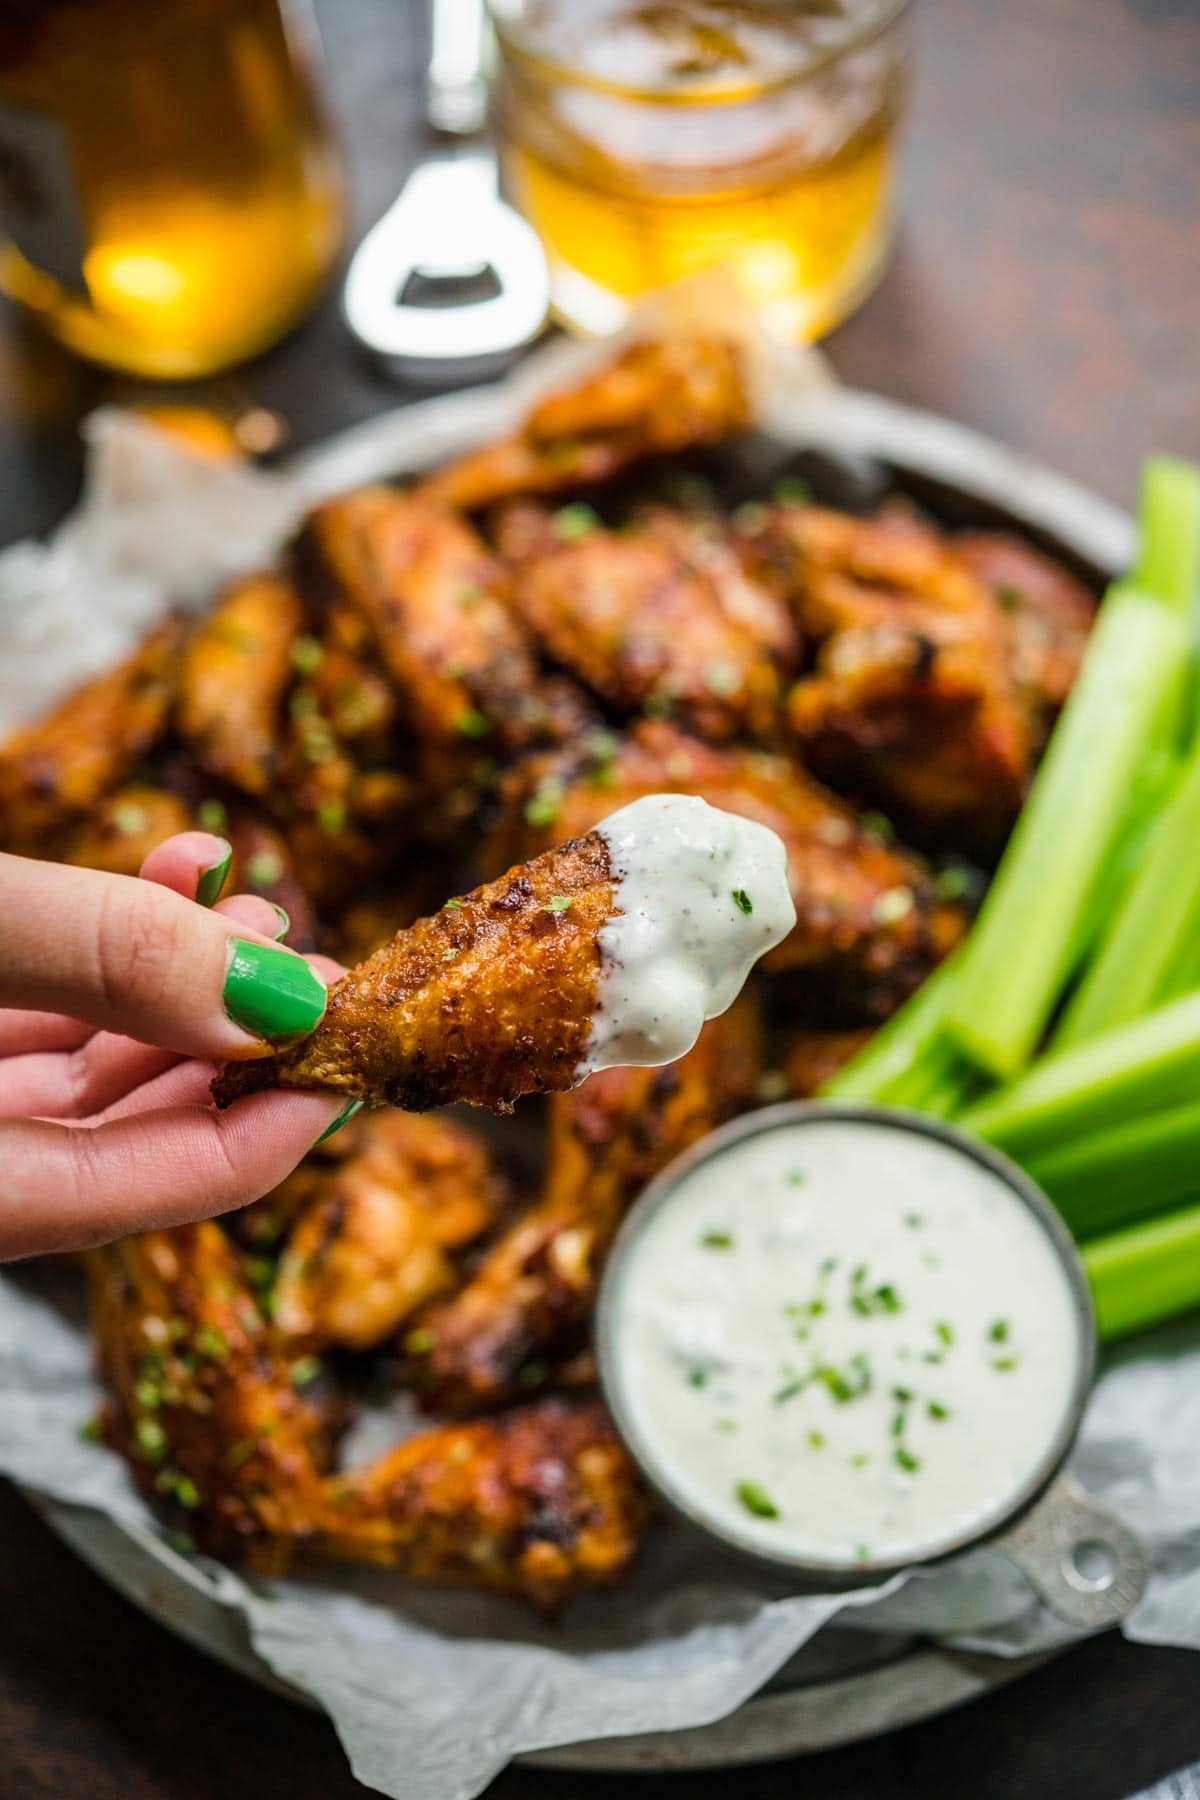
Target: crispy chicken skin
655,399
868,916
204,1406
489,999
435,601
913,703
1047,617
538,1280
380,1233
53,771
541,1502
233,676
646,625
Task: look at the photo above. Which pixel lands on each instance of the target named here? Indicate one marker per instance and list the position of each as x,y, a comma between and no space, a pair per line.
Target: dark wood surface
1045,290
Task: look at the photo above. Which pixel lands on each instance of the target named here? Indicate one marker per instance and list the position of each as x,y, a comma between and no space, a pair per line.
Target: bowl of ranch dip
844,1340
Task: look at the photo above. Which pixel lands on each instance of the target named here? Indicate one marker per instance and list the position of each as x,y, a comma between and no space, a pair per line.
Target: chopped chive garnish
904,1459
698,1378
717,1240
452,906
306,655
742,901
902,1396
558,903
1002,1364
790,1391
574,522
862,1552
470,722
936,1410
914,1221
796,1177
755,1498
944,1332
998,1331
727,1425
420,1340
816,1440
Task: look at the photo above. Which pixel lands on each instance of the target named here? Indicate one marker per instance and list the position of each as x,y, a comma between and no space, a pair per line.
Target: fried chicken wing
53,771
656,398
378,1235
538,1280
1047,616
204,1405
435,601
491,998
648,623
912,703
542,1502
869,919
234,674
122,829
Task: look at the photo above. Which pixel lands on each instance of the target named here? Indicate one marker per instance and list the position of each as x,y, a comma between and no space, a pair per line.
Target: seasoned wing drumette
1047,616
233,677
378,1235
650,622
656,398
538,1280
53,771
542,1502
490,999
869,920
205,1405
913,703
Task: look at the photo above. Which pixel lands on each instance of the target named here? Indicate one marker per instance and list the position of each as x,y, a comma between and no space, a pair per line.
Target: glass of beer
170,197
646,139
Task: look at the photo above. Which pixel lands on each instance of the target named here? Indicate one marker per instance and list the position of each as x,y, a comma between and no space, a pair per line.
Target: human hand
117,999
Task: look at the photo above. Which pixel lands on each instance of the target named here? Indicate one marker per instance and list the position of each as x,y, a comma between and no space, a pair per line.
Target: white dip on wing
701,895
843,1341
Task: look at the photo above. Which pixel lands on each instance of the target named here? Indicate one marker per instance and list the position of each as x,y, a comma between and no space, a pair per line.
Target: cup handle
1087,1567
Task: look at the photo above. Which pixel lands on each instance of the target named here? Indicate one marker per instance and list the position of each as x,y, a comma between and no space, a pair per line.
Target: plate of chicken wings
857,630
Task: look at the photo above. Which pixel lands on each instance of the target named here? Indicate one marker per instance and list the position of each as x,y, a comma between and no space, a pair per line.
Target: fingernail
285,923
212,879
272,992
344,1117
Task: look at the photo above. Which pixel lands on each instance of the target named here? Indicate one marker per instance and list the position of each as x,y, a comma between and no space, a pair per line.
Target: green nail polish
212,879
271,991
285,922
344,1117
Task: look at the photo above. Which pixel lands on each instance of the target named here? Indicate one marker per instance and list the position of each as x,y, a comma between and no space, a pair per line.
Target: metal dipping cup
1087,1567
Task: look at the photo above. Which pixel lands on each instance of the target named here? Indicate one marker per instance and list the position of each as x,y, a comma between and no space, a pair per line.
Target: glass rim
523,44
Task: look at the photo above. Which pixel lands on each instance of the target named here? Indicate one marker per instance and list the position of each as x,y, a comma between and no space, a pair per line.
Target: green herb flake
129,819
903,1396
420,1341
716,1240
698,1378
944,1333
151,1439
816,1440
937,1411
862,1552
796,1178
998,1331
860,1460
571,523
211,815
558,903
755,1498
790,490
952,883
914,1221
893,905
1004,1364
878,825
148,1394
305,1370
544,804
307,655
727,1427
904,1459
331,816
90,1431
182,1544
742,901
264,869
212,1342
471,723
721,678
452,906
186,1492
450,953
789,1391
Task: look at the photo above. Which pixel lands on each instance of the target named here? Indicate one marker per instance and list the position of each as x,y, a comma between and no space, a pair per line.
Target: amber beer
646,139
169,192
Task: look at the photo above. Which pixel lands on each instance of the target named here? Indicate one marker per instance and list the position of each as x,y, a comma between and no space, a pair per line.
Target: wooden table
1045,289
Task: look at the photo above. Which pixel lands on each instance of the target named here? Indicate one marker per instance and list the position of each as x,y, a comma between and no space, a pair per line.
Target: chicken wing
378,1235
869,920
1047,616
53,771
234,675
912,704
205,1407
538,1280
656,398
650,624
122,829
542,1502
814,1057
490,999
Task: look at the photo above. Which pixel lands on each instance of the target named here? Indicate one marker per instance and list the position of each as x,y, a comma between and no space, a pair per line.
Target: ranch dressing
843,1341
701,895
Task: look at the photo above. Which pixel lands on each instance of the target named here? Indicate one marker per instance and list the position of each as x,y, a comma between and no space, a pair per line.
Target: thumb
136,958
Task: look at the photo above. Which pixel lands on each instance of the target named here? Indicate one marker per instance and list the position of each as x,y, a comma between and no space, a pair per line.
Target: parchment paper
431,1693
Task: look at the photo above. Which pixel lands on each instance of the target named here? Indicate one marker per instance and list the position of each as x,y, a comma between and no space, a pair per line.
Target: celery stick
1153,925
1168,561
1020,953
1122,1173
1121,1075
1128,706
1146,1274
899,1046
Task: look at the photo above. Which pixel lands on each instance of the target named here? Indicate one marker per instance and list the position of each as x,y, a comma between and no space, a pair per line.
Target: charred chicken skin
654,399
490,999
537,1282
